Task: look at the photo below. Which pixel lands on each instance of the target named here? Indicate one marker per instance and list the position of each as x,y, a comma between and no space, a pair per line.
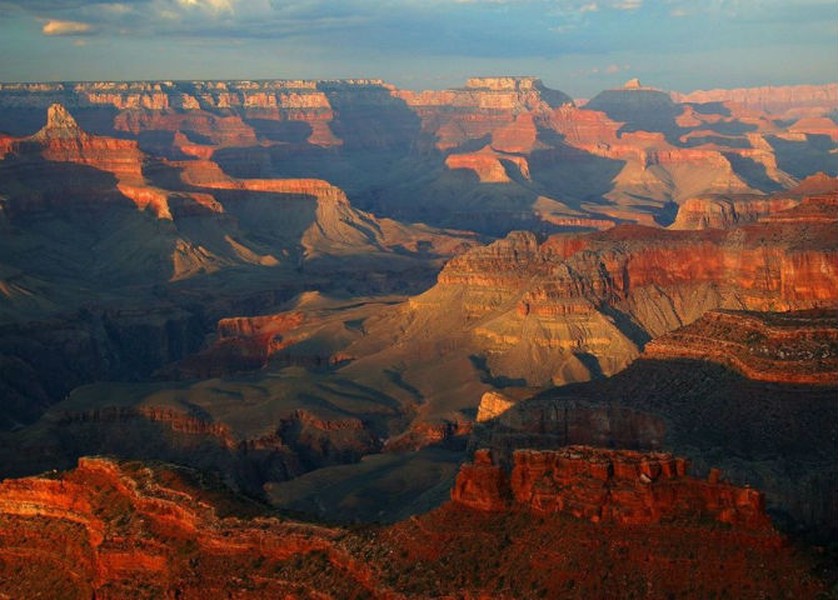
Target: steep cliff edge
119,529
798,347
722,212
125,530
750,392
620,486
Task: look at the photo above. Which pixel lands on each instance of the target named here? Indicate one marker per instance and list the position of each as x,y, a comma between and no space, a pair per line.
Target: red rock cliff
621,486
797,347
124,530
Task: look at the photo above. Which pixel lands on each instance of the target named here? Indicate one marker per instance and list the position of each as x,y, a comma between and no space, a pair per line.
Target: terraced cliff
128,530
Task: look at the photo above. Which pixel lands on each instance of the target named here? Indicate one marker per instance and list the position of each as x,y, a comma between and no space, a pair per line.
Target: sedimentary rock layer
117,530
621,486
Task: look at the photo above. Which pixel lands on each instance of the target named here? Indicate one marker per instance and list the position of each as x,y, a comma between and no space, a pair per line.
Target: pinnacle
60,124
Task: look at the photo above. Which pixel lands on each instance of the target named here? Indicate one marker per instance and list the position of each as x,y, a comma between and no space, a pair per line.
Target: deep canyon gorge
282,338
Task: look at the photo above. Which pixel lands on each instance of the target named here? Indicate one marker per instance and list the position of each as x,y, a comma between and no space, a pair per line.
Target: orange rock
482,485
626,487
789,347
779,100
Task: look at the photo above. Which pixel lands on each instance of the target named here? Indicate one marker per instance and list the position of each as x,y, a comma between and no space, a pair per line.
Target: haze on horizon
579,46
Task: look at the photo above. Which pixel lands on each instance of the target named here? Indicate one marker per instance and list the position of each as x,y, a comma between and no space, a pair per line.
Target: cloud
543,29
627,4
56,27
210,6
612,69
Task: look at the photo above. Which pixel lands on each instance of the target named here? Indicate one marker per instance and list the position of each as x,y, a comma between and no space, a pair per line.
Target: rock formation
625,156
777,100
722,212
799,347
620,486
129,530
750,392
537,310
248,243
61,140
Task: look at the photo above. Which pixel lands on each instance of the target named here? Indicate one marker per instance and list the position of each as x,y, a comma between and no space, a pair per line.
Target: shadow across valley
778,438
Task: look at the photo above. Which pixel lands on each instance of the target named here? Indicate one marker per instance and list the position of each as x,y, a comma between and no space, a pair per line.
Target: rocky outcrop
492,405
797,347
64,141
722,212
565,298
490,166
61,140
777,100
619,486
132,530
126,530
482,485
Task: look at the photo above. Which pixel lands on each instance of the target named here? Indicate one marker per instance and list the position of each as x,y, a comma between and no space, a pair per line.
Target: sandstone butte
116,530
62,140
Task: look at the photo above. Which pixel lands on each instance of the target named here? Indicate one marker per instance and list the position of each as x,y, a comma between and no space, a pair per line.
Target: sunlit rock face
797,347
495,153
535,306
621,486
129,530
777,100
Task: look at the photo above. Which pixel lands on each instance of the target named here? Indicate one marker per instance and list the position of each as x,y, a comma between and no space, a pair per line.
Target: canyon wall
620,486
482,156
797,347
129,530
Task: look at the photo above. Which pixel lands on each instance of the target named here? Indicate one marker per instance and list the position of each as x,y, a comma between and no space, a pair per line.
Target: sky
577,46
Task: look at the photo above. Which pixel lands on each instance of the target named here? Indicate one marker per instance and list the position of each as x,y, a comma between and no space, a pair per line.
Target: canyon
157,531
453,324
497,154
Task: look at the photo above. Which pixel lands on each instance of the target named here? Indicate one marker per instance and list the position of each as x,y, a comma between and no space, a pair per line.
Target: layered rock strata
625,156
604,295
125,530
778,100
132,530
799,347
600,485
